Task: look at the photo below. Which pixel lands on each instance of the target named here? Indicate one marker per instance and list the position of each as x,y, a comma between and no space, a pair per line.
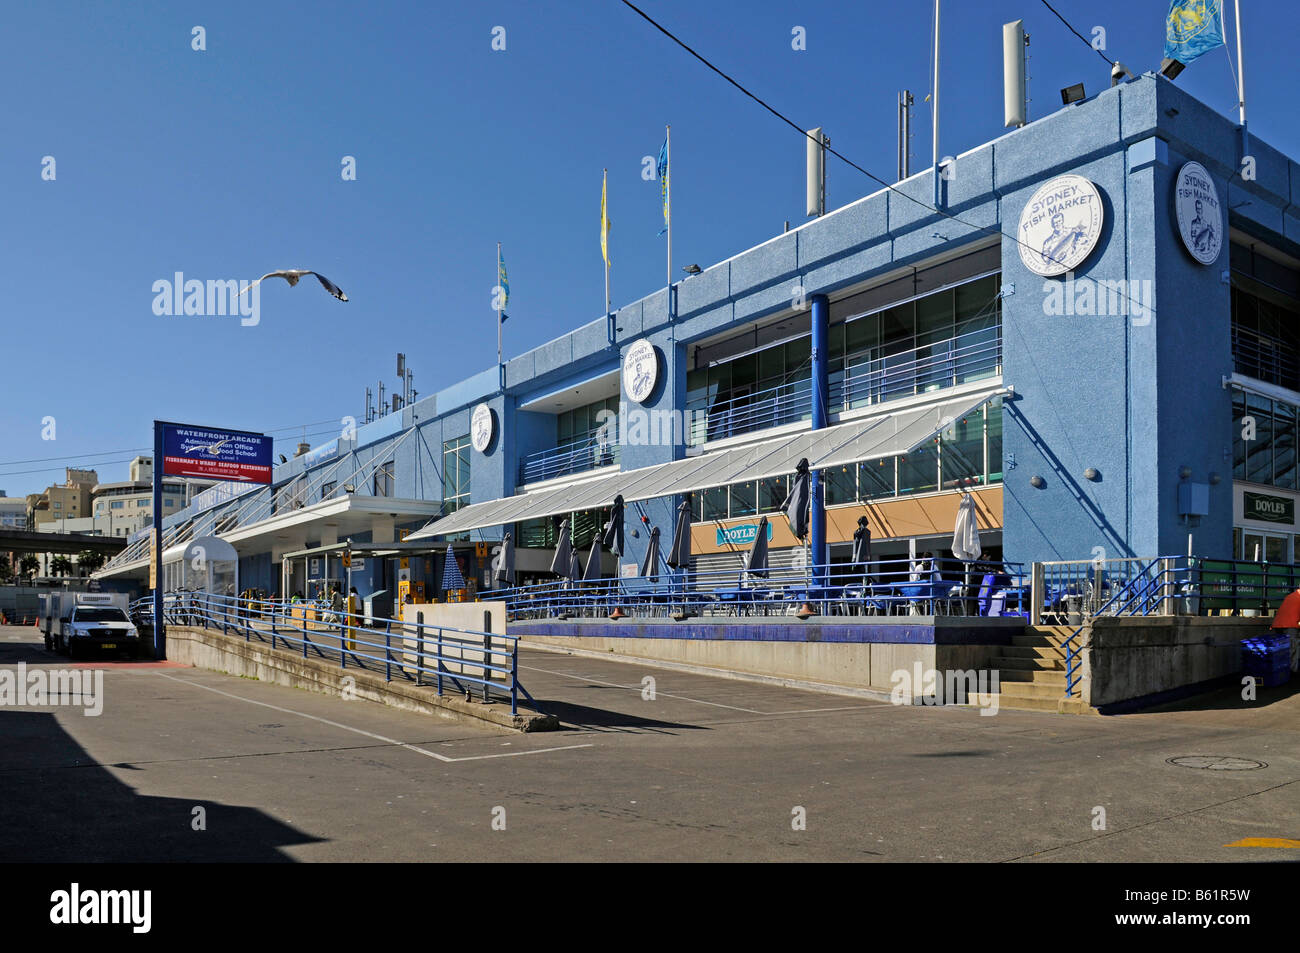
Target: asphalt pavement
191,765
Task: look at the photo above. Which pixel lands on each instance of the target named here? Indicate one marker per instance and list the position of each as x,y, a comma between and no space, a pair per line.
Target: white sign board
482,427
1060,226
640,371
1200,217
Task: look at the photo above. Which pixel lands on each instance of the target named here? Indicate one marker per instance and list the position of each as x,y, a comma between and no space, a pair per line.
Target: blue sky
226,163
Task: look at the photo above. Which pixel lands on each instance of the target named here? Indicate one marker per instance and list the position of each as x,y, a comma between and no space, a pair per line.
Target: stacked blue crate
1267,659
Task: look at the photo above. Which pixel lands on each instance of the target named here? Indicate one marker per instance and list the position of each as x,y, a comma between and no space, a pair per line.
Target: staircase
1032,672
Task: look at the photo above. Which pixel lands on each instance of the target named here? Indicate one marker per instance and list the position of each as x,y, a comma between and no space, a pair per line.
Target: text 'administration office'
1121,373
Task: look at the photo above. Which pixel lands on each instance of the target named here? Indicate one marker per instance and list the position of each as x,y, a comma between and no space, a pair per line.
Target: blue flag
1194,27
503,282
662,169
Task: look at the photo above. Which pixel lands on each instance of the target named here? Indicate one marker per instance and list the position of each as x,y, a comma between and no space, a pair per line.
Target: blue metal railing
593,449
421,652
971,356
886,587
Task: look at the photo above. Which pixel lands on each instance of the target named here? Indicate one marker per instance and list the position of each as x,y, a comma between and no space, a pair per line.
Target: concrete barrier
211,649
1131,663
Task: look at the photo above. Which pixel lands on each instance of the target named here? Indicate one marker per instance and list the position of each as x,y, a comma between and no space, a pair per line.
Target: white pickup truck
90,621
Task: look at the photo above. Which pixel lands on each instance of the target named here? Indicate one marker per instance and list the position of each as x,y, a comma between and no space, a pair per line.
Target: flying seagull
292,275
213,449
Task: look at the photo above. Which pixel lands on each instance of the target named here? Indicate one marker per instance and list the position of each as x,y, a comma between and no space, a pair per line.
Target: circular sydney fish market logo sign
640,371
1060,226
482,427
1200,219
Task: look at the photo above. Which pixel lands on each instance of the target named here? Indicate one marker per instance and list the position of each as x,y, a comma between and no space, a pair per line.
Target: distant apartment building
126,507
13,512
57,503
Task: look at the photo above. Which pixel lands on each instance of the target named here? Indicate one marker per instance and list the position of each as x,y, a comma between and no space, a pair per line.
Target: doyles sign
1268,509
1200,218
740,535
216,454
640,371
1060,226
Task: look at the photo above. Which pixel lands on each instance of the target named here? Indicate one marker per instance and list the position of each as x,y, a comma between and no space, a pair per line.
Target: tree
27,566
90,561
60,565
6,571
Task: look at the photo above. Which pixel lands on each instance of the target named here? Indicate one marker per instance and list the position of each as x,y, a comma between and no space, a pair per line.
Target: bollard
514,678
440,661
419,649
487,652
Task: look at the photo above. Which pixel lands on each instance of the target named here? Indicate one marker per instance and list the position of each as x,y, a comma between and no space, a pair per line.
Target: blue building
1096,336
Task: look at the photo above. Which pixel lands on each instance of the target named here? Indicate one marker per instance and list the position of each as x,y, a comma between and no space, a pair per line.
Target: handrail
441,653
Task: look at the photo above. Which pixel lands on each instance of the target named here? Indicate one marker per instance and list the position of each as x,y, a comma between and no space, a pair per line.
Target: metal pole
668,188
159,628
820,400
500,304
935,111
1241,88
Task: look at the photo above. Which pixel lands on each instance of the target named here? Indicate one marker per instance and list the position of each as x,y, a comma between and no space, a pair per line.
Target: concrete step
1040,676
1005,662
1040,640
1033,689
1031,651
1067,706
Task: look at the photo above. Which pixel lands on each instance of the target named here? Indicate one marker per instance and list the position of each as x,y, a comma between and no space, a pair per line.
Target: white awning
867,438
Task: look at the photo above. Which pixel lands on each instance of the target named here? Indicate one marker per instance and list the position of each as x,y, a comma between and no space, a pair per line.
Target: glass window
744,499
1239,445
876,478
961,451
715,503
840,484
455,473
1284,445
934,318
993,424
382,484
1259,452
772,493
918,471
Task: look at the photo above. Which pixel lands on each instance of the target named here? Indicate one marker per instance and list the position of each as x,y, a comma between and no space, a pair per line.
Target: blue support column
821,309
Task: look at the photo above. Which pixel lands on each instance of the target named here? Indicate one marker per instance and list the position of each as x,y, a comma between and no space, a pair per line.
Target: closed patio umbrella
451,576
613,538
503,567
679,555
862,545
650,566
796,505
560,563
756,560
966,547
575,565
592,573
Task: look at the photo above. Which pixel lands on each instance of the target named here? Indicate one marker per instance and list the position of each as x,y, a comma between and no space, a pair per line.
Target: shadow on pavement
64,807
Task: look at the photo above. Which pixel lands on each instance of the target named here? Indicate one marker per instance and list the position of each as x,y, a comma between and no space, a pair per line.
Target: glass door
1266,547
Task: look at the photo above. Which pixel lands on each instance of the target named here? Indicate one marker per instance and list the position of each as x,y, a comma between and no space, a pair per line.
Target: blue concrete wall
1136,400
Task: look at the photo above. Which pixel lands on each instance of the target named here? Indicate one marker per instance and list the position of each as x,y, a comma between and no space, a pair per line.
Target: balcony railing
587,452
1264,357
967,357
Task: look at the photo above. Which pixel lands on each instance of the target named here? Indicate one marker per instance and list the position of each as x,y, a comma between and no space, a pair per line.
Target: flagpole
1241,84
604,208
668,188
500,290
935,115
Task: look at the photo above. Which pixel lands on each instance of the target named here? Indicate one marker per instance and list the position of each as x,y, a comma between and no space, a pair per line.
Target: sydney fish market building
1099,340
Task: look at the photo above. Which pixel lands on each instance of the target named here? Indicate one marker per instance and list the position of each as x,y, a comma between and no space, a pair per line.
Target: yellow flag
604,220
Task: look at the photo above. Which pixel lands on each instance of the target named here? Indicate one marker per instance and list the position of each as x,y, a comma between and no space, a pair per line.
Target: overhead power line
986,229
1071,28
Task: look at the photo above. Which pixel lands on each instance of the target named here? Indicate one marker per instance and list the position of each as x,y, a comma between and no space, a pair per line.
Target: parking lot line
369,734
